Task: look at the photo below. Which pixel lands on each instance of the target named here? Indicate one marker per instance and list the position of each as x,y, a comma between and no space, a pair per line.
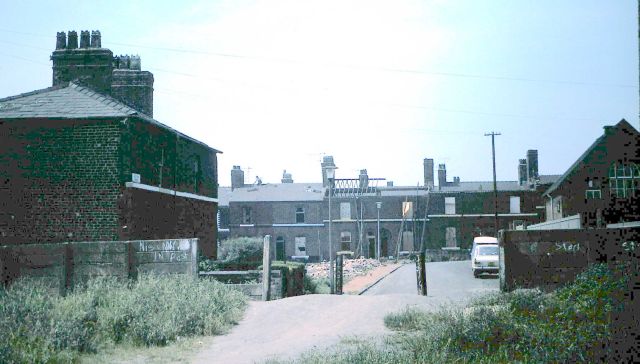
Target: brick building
602,187
451,213
84,160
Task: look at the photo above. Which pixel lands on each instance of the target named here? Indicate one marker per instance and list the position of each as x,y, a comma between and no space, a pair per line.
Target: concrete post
266,268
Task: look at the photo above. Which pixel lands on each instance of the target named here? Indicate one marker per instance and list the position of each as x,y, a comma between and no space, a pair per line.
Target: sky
379,85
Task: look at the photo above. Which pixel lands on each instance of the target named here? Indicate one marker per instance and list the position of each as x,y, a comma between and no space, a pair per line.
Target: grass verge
40,326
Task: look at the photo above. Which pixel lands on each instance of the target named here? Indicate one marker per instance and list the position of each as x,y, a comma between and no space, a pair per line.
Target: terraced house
367,218
84,160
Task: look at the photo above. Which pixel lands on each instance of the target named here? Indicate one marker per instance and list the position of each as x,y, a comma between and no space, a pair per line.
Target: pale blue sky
377,84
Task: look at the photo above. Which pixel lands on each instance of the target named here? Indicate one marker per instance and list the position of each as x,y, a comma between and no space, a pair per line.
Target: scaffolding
355,188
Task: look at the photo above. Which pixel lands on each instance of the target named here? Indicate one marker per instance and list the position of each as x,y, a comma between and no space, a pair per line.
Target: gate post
421,274
266,268
339,272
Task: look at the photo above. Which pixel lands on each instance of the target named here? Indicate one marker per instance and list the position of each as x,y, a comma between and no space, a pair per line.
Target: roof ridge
35,92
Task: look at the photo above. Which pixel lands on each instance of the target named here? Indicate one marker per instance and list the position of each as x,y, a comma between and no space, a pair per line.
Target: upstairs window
345,211
299,215
450,205
345,240
407,210
514,204
246,215
592,192
624,180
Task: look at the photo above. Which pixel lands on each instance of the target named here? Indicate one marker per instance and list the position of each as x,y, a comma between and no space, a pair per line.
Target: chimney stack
442,175
522,171
532,165
237,177
456,181
286,177
428,173
327,161
96,67
364,179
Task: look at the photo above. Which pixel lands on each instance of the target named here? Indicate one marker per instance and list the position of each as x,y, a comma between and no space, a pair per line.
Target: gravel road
288,327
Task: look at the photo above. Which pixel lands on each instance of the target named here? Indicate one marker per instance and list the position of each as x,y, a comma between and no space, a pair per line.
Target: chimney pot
84,39
96,39
61,40
72,40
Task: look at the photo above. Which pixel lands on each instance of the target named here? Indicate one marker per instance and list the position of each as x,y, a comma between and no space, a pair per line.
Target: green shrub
292,277
38,325
316,285
243,249
243,253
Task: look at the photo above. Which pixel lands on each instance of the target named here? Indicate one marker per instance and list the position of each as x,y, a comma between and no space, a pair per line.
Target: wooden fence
67,264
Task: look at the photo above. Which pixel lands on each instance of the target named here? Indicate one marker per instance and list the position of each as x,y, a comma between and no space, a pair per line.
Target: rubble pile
352,268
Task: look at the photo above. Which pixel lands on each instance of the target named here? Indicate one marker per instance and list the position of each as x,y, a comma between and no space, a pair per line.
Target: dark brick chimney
96,67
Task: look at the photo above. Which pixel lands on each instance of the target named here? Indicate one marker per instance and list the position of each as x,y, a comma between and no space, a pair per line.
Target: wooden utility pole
495,184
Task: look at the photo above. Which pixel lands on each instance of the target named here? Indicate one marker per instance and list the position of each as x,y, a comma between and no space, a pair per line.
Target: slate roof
224,195
278,192
477,186
71,101
621,125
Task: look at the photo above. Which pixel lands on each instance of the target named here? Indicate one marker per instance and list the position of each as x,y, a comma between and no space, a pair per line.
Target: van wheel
476,274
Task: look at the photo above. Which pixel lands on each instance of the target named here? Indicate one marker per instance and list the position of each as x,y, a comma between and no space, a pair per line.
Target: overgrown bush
243,253
292,277
38,325
316,285
241,249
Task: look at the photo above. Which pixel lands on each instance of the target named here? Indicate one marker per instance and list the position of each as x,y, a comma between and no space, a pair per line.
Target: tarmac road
446,281
286,328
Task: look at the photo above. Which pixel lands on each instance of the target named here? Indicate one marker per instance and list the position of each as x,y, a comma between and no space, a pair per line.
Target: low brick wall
443,255
67,264
248,282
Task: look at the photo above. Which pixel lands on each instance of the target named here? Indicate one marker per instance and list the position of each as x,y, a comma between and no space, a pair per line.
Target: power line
368,104
360,67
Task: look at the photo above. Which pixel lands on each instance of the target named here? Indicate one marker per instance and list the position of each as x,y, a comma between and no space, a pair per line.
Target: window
299,215
449,205
301,246
345,240
450,237
593,194
345,211
407,210
280,250
246,215
514,204
624,180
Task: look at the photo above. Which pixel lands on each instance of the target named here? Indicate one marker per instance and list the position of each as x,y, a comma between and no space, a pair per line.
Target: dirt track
286,328
291,326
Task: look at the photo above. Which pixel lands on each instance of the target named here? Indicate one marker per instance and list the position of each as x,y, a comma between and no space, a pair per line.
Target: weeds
41,326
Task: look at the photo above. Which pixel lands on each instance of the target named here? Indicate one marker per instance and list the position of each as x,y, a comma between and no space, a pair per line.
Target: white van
485,259
479,240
